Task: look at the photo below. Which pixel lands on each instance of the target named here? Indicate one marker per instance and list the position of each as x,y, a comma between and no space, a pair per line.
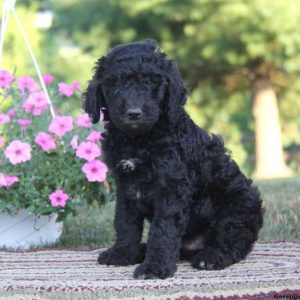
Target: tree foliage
15,52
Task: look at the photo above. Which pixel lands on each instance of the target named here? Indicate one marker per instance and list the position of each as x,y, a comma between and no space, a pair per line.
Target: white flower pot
25,230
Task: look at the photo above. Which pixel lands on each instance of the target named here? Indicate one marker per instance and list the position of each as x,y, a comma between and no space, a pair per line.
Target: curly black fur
168,170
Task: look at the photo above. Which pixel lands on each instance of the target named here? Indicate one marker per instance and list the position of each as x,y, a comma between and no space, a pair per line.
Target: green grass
93,227
282,202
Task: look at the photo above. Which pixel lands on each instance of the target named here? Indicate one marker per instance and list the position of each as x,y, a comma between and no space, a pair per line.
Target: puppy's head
133,86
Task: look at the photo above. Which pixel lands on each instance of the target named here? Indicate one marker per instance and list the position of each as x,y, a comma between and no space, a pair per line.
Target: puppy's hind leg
224,249
238,216
232,232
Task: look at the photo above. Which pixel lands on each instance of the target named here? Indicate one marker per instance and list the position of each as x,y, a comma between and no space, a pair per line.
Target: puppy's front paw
152,271
123,257
110,257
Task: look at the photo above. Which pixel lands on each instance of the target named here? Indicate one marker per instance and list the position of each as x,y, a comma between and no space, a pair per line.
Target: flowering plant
47,163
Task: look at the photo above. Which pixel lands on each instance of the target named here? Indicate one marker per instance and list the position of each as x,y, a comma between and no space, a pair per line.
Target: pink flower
1,141
95,170
88,151
18,152
35,103
74,142
94,136
45,141
67,90
58,198
5,79
48,78
75,85
4,118
12,112
7,181
27,83
84,121
61,125
24,123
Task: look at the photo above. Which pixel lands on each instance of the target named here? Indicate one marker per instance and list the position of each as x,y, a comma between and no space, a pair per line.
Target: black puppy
168,170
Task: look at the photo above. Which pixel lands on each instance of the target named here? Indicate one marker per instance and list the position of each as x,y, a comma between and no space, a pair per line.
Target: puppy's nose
134,113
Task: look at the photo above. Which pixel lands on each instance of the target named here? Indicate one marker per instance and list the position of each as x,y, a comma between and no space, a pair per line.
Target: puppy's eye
111,81
156,79
125,83
147,82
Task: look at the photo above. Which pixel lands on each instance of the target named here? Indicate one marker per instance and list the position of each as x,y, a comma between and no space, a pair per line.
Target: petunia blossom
4,118
94,136
66,89
45,141
7,181
88,151
11,113
74,142
36,103
75,85
61,125
58,198
18,152
95,170
27,83
47,78
5,79
24,123
84,121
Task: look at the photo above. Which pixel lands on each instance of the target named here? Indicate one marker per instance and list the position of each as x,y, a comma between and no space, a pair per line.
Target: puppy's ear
93,98
175,96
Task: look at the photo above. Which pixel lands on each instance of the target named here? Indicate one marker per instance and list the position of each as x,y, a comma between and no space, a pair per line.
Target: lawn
282,202
93,227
